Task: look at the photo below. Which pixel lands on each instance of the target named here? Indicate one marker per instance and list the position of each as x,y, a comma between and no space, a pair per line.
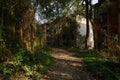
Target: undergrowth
102,66
30,64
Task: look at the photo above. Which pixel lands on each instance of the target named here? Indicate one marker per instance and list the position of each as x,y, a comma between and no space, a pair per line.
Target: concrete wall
82,32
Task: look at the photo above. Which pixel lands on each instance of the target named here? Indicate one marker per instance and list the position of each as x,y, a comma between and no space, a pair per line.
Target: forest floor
67,67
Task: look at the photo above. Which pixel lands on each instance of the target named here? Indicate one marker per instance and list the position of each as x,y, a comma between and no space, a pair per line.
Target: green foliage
31,64
104,7
112,46
64,31
102,66
69,32
51,9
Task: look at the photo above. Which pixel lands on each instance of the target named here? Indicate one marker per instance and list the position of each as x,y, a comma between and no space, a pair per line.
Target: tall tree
18,26
87,23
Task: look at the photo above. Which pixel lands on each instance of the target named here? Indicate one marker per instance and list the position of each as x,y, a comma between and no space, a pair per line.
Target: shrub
31,64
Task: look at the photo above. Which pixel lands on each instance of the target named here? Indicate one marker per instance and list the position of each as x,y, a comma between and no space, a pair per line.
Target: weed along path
67,67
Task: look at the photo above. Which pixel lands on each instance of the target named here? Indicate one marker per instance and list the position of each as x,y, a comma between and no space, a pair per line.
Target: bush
31,64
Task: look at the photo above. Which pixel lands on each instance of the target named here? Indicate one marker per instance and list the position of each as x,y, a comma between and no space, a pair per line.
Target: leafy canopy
51,9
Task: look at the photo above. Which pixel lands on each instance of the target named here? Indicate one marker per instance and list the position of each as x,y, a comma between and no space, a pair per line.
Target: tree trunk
119,27
19,26
87,25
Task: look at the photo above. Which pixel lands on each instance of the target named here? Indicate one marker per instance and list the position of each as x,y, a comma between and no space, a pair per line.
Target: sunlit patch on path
67,67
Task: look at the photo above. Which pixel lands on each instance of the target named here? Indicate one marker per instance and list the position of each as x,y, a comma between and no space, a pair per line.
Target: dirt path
67,67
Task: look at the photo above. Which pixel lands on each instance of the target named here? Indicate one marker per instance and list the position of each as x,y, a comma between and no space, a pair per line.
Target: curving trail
67,67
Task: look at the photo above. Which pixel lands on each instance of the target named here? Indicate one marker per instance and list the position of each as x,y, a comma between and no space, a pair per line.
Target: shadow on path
67,67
